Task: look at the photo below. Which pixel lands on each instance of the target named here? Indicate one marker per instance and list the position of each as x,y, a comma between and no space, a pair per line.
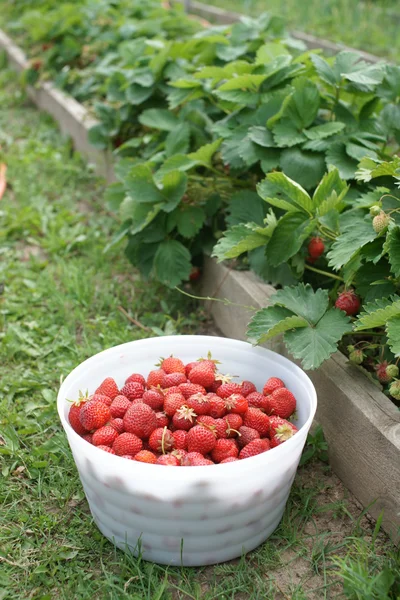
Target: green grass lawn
60,300
370,25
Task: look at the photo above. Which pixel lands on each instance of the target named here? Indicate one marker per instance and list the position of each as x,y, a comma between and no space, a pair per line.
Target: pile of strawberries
185,415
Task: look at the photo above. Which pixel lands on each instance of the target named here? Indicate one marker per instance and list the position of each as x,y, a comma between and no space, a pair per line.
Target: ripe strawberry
228,460
189,389
133,390
168,460
94,414
172,390
127,443
316,247
161,440
248,387
172,365
172,402
195,274
118,424
394,389
233,423
256,419
253,448
271,385
227,389
128,456
381,372
381,222
206,420
349,302
184,418
108,388
141,420
146,456
105,436
236,404
222,428
137,378
200,462
162,419
224,449
217,407
154,399
203,374
155,378
119,406
214,386
247,435
199,403
283,403
180,439
282,432
200,439
74,418
88,437
106,449
179,453
173,379
260,401
277,422
101,398
189,367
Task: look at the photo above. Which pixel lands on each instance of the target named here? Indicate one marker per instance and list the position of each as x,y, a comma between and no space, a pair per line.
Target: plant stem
326,273
223,300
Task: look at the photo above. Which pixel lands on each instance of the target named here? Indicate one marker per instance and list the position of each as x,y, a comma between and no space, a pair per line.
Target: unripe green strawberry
375,210
380,222
394,389
392,370
356,356
350,348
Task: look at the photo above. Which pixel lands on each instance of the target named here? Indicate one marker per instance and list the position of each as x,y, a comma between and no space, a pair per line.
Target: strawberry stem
326,273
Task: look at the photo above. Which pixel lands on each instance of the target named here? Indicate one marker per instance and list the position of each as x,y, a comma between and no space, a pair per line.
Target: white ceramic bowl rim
271,456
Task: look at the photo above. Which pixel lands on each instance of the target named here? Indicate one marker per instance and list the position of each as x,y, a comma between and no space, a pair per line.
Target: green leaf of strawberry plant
271,321
177,141
330,192
159,118
246,206
377,313
353,237
288,236
306,168
393,334
277,186
241,238
203,156
392,247
189,220
303,301
172,263
140,186
304,103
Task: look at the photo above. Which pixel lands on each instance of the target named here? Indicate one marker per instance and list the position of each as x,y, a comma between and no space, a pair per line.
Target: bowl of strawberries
187,459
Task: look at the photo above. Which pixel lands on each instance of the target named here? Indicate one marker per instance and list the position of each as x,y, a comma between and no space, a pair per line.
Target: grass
371,25
59,303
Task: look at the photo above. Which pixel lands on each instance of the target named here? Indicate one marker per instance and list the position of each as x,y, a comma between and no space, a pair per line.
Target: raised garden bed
361,425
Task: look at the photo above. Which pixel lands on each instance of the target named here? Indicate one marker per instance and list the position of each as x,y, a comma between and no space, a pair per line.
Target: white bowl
188,516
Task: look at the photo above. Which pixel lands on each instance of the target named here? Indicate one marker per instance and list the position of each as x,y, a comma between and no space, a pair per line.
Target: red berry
224,449
118,424
282,432
189,389
253,448
154,399
234,422
94,414
260,401
203,374
105,436
195,274
128,456
222,428
199,403
162,419
214,386
74,419
201,462
119,406
200,439
133,390
283,403
180,439
127,443
101,398
349,302
136,377
173,379
247,435
172,365
272,384
248,387
146,456
184,418
236,404
227,389
88,437
161,440
141,420
381,372
155,378
168,460
189,367
108,388
217,407
172,402
277,422
256,419
106,449
228,460
316,247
